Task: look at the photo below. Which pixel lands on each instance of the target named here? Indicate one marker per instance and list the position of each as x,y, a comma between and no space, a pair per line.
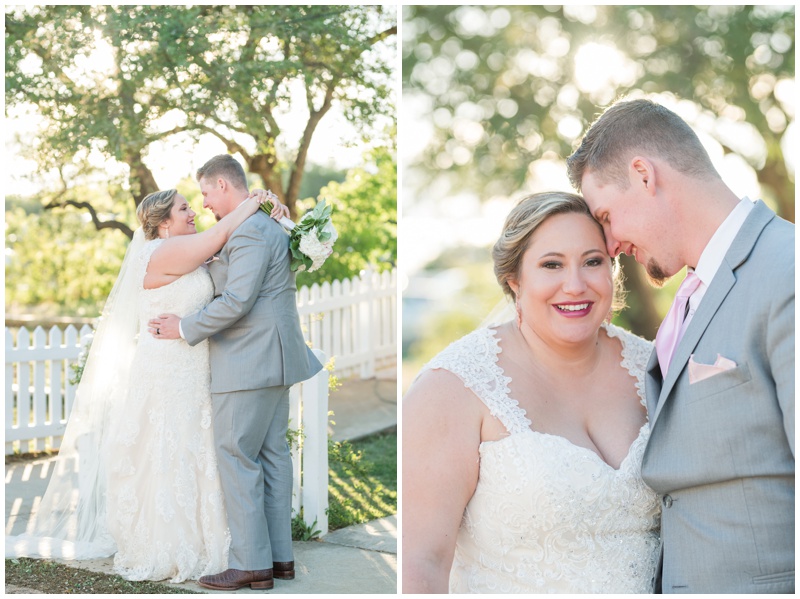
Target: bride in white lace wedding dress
523,442
165,502
137,475
547,514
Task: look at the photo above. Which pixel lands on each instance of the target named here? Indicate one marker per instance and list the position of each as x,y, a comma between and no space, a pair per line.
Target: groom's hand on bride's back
165,326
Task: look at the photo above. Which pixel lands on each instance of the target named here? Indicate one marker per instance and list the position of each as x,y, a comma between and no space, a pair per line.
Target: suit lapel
652,384
722,284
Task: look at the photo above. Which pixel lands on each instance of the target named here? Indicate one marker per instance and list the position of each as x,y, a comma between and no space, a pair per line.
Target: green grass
51,577
362,480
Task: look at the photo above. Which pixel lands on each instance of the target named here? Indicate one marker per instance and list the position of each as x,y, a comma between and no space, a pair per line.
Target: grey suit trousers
255,469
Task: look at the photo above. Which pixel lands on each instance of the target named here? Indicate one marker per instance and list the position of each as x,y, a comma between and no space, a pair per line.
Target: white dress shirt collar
720,242
714,252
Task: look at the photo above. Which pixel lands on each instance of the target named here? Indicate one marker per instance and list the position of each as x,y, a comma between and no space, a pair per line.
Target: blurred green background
496,97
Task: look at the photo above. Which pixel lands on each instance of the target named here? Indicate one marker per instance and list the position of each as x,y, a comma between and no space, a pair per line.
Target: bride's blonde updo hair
154,210
521,223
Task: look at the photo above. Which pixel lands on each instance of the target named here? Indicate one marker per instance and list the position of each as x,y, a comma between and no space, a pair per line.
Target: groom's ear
643,174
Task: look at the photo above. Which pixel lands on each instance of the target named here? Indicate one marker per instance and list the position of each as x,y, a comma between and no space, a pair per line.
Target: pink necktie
669,333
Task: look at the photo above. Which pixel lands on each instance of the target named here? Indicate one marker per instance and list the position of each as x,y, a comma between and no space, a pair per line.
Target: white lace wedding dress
165,504
548,516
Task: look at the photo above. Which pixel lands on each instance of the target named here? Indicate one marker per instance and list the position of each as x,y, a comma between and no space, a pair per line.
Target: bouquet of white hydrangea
311,240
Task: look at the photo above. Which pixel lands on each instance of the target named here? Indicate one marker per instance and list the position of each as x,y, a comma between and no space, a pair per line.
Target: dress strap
144,257
473,359
635,355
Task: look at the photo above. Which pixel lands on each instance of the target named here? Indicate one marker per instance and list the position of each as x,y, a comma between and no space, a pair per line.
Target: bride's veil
70,522
502,312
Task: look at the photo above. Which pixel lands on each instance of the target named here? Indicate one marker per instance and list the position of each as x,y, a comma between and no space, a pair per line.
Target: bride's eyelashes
554,264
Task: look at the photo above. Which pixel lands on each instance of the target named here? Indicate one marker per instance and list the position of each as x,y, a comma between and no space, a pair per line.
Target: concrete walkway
357,559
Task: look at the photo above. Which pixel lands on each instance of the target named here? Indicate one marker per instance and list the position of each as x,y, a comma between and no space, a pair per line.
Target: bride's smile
574,309
181,219
565,285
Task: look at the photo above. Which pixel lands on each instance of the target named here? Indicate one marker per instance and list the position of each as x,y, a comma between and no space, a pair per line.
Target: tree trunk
776,178
314,118
264,166
140,178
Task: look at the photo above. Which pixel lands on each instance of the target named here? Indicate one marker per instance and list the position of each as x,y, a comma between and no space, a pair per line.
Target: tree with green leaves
365,215
111,80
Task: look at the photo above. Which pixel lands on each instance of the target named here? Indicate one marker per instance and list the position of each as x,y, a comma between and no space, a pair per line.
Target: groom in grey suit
721,449
257,352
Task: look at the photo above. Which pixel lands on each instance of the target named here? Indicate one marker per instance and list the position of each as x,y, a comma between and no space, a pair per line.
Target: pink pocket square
699,372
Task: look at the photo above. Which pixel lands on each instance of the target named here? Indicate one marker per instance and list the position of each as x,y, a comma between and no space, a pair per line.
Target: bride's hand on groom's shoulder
278,211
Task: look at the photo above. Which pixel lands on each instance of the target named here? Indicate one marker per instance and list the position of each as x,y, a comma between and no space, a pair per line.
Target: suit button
667,501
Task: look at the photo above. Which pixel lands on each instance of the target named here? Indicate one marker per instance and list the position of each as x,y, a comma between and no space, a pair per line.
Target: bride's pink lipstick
573,309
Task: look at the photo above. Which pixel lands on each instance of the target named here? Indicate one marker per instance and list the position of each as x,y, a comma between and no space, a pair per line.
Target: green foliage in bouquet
308,238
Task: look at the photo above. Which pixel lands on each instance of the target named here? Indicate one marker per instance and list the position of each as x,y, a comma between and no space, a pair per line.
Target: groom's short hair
226,167
637,126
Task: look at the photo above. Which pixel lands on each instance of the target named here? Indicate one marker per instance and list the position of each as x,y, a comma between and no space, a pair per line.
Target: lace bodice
185,295
548,515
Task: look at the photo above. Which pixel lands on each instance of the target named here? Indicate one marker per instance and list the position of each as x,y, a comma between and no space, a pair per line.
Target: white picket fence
353,321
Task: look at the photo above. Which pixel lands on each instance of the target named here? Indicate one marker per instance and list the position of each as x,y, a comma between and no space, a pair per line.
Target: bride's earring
519,313
167,232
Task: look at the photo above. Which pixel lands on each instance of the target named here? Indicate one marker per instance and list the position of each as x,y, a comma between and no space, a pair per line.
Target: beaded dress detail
165,502
548,516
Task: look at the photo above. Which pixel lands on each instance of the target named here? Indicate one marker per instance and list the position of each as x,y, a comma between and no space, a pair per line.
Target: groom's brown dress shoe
283,570
231,579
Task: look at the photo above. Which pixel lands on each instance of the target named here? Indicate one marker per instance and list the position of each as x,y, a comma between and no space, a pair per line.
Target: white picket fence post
315,449
308,414
9,413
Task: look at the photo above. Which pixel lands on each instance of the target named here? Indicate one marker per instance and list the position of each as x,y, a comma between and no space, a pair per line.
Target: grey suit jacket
721,450
252,323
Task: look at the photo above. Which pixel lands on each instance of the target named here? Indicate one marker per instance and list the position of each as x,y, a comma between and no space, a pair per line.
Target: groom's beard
655,274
